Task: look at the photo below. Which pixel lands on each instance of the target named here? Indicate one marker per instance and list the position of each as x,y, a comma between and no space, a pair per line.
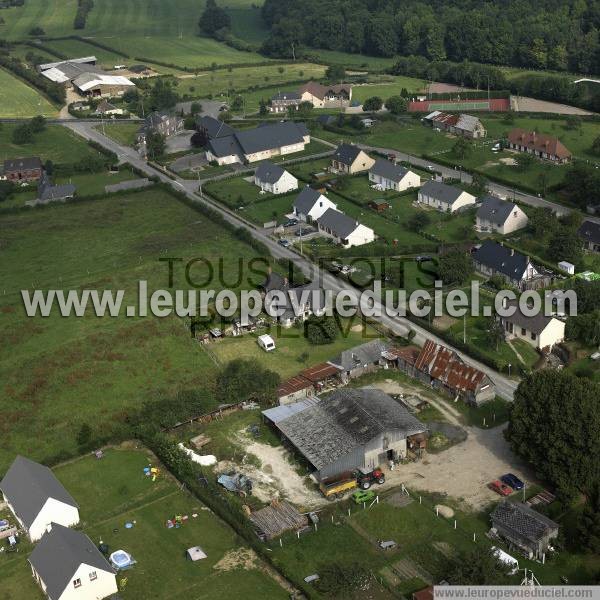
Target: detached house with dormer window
499,216
310,204
539,144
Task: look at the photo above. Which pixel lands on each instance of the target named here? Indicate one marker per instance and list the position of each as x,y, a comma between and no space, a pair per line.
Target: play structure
152,472
121,560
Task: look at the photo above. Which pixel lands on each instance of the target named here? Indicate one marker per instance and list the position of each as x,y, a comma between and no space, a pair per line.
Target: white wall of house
222,160
94,584
265,154
554,333
361,235
410,180
515,221
287,182
316,102
319,207
54,511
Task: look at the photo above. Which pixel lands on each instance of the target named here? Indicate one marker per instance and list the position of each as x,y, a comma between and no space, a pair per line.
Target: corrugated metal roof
279,413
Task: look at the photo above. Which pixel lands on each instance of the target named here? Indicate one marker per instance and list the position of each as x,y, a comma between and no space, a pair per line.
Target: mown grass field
19,100
56,372
74,48
55,143
220,82
114,491
54,16
387,89
123,133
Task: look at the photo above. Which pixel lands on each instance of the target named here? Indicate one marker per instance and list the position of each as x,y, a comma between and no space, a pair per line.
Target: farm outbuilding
270,522
352,429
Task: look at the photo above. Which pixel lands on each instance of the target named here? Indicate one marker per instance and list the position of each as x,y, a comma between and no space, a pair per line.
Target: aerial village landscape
298,150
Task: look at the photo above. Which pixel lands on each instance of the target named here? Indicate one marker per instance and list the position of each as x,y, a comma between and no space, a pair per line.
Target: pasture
113,491
75,48
58,373
220,82
55,143
19,100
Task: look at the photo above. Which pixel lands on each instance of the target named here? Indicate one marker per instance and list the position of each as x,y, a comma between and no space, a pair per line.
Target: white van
266,342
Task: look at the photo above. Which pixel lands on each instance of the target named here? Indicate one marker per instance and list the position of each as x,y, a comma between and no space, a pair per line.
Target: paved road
399,325
496,188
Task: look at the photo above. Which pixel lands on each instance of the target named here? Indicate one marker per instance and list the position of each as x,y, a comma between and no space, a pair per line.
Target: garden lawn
58,373
113,491
122,133
287,359
385,90
94,183
55,143
19,100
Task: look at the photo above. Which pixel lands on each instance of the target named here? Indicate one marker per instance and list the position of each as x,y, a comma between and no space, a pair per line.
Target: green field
113,491
219,83
54,16
353,61
247,24
75,48
387,89
57,373
94,183
17,99
123,133
56,143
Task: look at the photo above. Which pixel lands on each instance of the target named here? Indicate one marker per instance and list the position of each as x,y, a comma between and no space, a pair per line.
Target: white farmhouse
311,204
445,198
393,177
499,216
344,229
68,566
37,498
270,177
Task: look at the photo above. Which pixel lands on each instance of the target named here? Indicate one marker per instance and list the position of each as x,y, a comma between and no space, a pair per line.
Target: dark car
421,259
306,231
291,223
513,481
285,243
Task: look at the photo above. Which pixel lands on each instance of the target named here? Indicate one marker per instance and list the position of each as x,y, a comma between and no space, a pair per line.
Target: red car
500,488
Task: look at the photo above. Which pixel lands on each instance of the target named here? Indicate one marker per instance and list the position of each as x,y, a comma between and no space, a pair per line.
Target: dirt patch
444,322
242,558
524,104
276,477
511,162
444,510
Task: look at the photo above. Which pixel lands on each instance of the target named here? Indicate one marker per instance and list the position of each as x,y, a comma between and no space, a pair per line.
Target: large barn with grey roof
352,429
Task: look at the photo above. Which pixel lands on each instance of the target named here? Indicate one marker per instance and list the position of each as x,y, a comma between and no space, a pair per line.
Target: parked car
513,481
500,488
306,231
285,243
290,223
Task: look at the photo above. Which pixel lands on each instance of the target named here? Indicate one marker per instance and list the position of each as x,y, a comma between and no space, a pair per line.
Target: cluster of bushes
83,9
55,91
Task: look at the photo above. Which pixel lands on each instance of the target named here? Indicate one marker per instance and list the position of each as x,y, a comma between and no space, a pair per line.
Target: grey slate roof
495,210
523,520
27,485
338,223
57,192
447,194
537,323
346,153
306,199
367,353
59,554
22,164
498,257
286,96
388,170
270,136
590,231
346,419
269,172
131,184
213,127
225,146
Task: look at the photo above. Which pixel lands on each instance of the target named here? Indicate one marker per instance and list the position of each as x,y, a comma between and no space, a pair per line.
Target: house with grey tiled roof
281,101
260,143
352,429
499,216
390,176
360,360
37,498
271,178
345,230
589,232
445,198
310,204
67,566
524,528
349,159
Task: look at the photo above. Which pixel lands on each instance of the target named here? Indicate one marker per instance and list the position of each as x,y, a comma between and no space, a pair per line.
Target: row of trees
549,34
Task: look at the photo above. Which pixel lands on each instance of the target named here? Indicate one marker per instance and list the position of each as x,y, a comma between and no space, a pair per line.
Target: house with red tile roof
539,144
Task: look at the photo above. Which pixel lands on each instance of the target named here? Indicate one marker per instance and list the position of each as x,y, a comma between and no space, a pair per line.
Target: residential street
505,386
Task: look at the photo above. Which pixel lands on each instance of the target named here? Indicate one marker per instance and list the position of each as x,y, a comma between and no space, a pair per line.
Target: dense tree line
83,9
542,34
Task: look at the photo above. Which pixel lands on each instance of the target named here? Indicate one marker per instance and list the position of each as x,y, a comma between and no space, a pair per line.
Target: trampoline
121,560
